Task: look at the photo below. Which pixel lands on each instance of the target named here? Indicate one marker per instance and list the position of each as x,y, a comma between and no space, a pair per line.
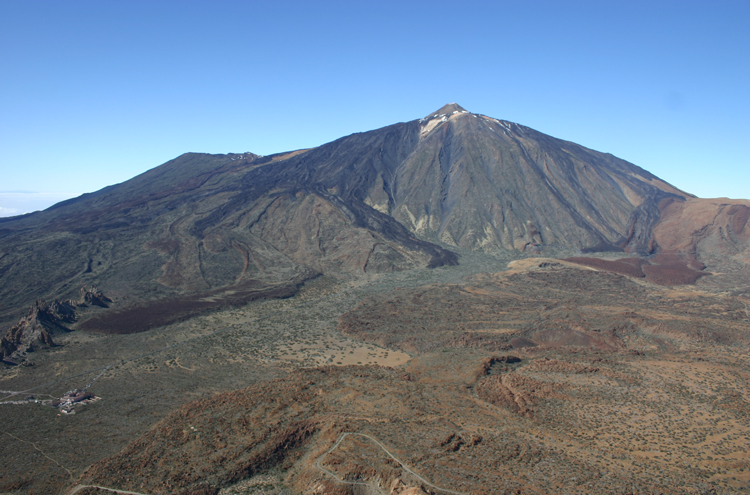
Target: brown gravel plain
542,379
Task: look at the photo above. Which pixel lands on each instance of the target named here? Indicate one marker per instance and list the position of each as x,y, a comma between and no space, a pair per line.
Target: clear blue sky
95,92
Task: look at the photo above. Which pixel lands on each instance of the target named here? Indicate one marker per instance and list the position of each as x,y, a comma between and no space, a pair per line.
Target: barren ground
621,387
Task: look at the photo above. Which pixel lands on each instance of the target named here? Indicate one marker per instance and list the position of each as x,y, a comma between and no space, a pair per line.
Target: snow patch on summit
431,122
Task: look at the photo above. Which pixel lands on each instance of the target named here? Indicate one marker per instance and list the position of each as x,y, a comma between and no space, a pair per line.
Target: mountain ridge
402,196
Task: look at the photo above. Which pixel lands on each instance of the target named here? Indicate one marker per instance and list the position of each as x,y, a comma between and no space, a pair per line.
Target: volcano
236,226
473,307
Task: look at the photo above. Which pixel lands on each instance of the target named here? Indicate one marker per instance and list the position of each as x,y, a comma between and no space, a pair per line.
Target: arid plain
547,376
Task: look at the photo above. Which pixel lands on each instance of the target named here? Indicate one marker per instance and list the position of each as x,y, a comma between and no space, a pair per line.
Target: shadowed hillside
385,200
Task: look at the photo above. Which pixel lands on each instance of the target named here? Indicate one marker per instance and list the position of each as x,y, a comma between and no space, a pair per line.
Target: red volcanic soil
712,229
673,269
663,269
685,225
707,228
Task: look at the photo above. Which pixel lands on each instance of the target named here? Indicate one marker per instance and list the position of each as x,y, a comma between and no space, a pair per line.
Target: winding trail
41,452
403,466
78,488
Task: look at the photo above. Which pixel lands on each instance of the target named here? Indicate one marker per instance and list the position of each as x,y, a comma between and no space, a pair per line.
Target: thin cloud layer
21,202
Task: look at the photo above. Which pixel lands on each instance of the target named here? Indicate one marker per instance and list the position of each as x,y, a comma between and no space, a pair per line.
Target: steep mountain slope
472,181
708,228
480,182
372,202
193,227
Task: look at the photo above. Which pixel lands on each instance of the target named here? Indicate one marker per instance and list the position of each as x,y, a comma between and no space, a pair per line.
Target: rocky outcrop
496,364
514,392
43,320
398,487
34,331
93,297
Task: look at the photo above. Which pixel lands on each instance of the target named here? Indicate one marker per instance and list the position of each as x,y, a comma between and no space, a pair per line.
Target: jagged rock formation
35,330
93,297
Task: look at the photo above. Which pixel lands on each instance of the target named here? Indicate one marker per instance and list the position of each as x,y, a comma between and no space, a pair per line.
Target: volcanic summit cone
394,198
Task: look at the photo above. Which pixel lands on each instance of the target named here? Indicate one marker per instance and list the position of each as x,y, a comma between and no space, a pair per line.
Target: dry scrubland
154,372
542,379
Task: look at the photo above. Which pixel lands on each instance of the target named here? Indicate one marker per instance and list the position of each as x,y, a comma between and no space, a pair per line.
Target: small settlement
68,402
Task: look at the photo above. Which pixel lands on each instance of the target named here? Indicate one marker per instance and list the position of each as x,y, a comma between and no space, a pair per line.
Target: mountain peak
448,109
